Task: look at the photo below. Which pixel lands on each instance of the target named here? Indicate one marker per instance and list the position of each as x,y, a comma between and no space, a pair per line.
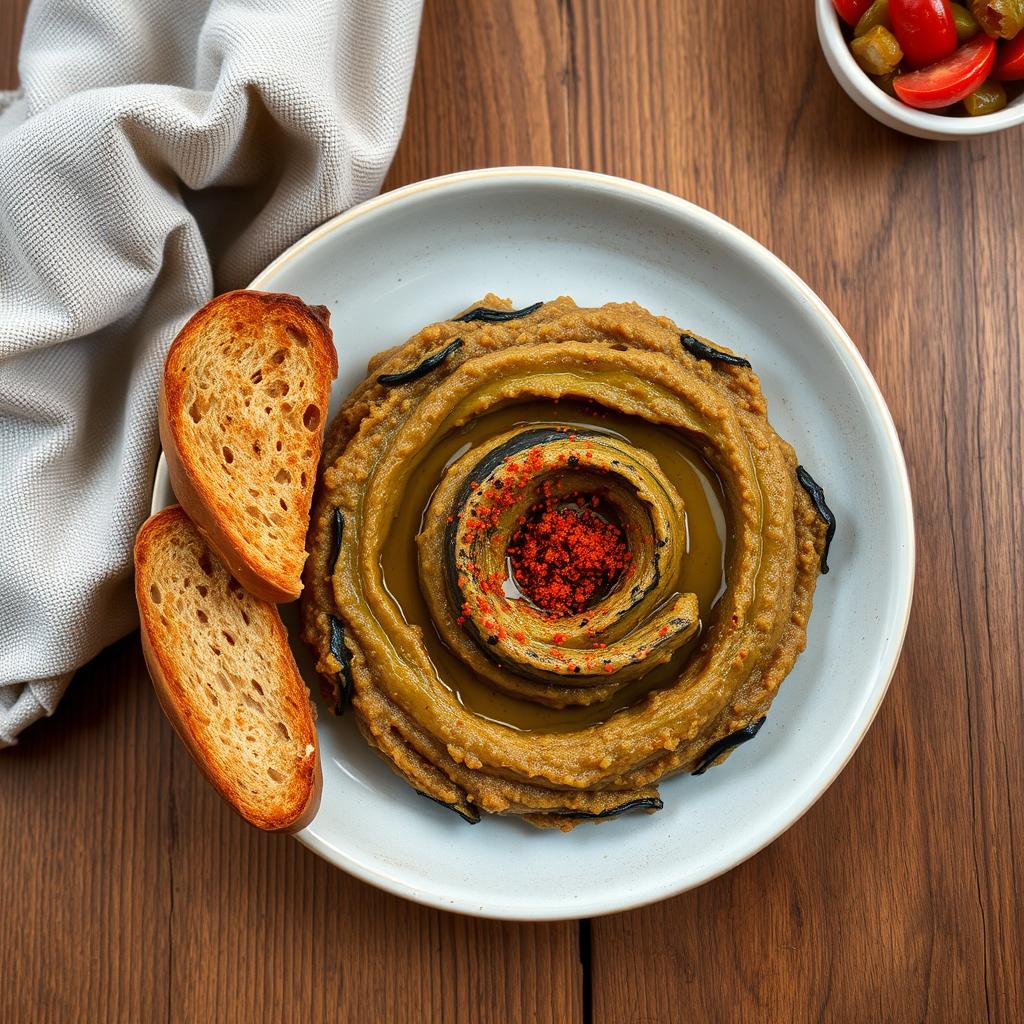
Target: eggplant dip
557,555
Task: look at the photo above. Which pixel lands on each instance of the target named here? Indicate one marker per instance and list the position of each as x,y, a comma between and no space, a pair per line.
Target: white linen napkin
157,152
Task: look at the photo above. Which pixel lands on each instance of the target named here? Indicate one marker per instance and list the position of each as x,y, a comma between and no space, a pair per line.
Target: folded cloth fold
156,153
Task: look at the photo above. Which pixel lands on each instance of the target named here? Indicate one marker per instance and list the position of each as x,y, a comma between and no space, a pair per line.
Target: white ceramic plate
420,254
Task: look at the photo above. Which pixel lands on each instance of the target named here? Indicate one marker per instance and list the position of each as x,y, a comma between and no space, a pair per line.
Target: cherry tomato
1010,64
851,10
951,79
926,29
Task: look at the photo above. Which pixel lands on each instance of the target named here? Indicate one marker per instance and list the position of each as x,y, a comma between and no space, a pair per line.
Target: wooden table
129,892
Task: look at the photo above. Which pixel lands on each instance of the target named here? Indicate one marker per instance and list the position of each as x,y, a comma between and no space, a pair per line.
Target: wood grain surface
130,893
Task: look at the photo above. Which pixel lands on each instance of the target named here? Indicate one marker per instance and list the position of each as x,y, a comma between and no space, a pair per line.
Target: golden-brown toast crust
166,670
193,487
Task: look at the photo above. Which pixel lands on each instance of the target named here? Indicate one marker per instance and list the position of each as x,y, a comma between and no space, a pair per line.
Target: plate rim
596,906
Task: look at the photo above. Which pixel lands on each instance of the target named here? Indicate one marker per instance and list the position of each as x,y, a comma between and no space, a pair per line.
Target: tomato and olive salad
937,55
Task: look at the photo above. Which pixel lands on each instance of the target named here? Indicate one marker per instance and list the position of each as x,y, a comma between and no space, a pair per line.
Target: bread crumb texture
253,396
229,672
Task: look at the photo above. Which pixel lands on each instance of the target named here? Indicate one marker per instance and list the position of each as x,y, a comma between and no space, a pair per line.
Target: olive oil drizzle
702,568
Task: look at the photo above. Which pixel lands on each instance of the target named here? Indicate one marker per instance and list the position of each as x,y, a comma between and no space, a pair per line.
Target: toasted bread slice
225,676
242,410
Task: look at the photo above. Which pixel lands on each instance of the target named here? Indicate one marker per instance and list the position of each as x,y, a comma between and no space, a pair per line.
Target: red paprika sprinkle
563,557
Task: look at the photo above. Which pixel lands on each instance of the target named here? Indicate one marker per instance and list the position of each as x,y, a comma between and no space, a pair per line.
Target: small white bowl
891,112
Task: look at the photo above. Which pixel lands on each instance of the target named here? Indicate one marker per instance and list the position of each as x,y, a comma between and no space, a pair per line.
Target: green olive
877,52
1001,19
884,82
876,14
966,25
986,100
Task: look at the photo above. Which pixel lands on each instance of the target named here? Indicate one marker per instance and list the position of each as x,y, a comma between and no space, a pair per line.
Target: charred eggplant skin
496,316
337,531
343,656
647,803
726,743
808,483
432,362
699,350
466,816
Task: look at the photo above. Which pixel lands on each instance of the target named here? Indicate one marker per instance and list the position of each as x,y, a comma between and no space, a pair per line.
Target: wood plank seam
950,505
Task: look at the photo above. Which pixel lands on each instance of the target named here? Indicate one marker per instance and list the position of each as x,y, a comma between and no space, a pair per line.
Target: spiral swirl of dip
548,557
